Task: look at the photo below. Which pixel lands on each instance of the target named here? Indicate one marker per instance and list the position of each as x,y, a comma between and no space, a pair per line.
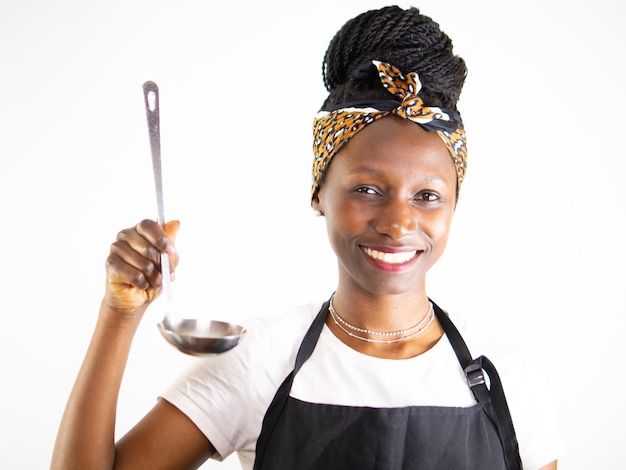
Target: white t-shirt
227,395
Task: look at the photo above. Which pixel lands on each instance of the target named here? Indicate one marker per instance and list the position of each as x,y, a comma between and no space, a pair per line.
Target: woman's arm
164,438
86,434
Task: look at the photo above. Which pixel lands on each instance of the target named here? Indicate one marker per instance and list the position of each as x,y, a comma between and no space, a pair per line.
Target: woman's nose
396,219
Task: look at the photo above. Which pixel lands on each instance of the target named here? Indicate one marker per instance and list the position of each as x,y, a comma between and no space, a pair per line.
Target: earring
318,213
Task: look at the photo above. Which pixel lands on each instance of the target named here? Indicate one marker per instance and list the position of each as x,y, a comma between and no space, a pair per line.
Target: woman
377,376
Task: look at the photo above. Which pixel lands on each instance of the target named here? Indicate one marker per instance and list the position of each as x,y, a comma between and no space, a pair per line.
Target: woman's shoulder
296,316
482,339
275,338
526,385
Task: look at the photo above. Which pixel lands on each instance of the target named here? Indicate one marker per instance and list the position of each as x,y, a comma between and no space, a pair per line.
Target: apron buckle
474,374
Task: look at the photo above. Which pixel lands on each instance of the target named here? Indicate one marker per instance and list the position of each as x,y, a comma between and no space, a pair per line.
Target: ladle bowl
191,336
202,337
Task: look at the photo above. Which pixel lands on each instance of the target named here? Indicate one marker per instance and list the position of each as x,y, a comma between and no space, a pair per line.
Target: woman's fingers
133,265
129,265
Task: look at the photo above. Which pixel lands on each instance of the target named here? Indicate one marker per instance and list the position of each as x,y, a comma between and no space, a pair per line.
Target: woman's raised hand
133,266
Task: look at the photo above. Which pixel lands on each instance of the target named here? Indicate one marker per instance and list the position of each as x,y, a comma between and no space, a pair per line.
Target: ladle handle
151,101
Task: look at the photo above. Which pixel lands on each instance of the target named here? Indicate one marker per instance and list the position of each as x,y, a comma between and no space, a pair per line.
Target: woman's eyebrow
375,171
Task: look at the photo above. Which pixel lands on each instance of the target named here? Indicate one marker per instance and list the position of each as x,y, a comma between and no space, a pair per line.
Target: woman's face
388,198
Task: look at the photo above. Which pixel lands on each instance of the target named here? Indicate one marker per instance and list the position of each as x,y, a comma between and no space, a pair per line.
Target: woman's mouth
399,257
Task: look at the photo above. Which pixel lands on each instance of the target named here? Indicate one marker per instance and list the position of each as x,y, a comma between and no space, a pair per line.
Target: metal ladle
192,336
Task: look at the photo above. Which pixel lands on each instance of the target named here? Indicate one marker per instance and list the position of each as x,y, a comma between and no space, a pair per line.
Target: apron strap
273,412
492,399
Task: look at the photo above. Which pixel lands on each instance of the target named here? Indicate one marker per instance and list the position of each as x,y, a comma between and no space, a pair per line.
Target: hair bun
410,41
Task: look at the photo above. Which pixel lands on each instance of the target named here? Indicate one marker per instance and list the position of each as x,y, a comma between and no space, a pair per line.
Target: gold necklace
418,328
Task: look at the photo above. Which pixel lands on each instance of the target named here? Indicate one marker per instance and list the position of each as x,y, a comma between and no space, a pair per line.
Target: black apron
298,435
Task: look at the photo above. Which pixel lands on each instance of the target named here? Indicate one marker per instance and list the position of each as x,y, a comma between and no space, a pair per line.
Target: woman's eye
366,190
427,196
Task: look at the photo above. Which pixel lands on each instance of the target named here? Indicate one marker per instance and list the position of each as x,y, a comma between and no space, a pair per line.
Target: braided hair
405,38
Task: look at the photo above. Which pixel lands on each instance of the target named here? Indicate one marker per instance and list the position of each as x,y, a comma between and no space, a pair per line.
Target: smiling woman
377,376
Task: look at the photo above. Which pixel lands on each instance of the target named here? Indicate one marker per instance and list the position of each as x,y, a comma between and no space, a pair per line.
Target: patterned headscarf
333,128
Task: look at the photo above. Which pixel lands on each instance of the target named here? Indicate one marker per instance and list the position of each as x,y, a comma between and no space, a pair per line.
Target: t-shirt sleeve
215,393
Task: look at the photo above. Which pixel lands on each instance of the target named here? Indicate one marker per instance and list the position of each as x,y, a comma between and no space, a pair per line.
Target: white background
537,250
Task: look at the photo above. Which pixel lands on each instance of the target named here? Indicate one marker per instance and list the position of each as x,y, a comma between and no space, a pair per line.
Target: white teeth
391,258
